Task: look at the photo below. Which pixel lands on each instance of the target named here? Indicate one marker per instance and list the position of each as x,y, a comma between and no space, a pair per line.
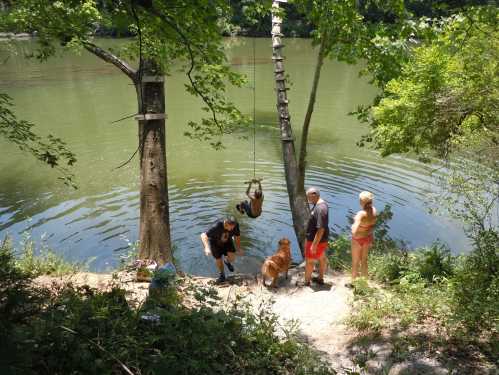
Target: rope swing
254,180
253,207
254,109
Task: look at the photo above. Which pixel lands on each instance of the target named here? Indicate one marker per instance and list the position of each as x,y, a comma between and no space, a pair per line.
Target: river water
77,97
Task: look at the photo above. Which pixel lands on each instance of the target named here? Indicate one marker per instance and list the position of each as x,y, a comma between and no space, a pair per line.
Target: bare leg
356,256
220,264
322,266
231,257
309,267
363,260
274,282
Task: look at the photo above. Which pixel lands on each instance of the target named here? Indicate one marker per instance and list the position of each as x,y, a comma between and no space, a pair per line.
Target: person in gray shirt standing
317,236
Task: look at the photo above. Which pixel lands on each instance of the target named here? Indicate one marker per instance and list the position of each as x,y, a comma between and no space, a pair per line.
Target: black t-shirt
218,235
319,218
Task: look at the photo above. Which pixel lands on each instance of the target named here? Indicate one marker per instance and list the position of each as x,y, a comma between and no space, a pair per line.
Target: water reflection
78,98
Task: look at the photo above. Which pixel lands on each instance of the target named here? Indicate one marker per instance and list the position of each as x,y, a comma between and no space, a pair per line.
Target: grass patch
39,260
429,302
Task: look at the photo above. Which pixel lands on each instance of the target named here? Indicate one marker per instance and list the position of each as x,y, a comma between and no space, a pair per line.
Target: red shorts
321,248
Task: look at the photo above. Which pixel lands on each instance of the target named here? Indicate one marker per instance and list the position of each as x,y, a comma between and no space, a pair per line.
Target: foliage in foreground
79,330
457,297
425,289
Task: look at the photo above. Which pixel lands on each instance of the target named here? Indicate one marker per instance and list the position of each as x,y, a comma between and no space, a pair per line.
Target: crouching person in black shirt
219,242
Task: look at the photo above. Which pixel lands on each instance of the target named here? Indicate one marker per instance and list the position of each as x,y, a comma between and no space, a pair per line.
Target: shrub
39,261
389,267
399,306
475,286
431,264
340,255
79,330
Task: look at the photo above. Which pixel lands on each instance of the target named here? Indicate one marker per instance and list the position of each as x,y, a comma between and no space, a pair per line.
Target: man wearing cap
219,242
317,236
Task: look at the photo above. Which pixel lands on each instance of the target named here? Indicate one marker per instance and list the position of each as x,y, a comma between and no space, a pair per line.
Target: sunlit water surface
77,97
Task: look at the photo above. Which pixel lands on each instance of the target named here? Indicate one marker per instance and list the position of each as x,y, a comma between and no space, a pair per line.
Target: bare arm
206,243
248,190
237,240
318,236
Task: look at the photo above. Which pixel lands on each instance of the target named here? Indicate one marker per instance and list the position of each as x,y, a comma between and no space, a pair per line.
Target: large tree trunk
308,116
154,232
297,200
154,227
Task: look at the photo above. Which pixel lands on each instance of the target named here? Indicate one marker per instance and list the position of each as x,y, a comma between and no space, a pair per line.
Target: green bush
79,330
475,286
389,267
431,264
399,306
340,254
39,261
428,264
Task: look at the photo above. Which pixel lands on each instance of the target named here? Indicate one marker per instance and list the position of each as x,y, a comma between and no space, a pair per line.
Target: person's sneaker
229,266
303,283
318,281
220,279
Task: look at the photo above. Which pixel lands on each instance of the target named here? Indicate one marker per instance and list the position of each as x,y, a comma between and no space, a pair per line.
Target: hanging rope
254,108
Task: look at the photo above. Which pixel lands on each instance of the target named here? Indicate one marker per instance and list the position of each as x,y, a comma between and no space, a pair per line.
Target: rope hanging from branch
254,109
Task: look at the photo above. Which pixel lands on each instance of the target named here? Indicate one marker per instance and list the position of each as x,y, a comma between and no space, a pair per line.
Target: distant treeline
295,22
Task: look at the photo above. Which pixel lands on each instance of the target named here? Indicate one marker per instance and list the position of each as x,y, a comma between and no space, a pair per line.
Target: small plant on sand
41,259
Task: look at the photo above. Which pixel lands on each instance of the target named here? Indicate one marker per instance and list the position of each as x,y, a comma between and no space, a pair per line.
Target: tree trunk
154,232
154,227
308,116
297,199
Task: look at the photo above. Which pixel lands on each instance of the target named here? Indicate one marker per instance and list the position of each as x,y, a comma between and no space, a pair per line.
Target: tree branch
310,109
188,45
112,59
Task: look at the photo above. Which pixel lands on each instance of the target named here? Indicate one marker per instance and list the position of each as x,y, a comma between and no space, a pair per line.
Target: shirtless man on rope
253,208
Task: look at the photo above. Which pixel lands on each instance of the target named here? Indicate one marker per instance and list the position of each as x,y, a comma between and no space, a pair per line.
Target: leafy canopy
184,34
446,97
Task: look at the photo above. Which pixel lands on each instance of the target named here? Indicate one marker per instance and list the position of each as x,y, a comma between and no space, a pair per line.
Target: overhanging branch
112,59
188,44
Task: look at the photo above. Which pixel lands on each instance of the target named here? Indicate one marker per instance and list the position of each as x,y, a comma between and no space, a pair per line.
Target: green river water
76,97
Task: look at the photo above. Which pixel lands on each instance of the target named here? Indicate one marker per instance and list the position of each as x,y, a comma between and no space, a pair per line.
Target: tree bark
154,226
154,232
308,116
297,200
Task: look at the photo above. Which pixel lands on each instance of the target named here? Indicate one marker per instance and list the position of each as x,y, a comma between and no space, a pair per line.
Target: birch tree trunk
297,200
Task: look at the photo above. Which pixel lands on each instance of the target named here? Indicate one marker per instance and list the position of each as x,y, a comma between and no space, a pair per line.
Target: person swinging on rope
253,208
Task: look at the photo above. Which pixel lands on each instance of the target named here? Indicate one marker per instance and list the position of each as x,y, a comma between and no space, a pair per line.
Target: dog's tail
268,265
265,268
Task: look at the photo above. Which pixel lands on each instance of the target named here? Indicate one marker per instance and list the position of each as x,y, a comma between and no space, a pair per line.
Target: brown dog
277,263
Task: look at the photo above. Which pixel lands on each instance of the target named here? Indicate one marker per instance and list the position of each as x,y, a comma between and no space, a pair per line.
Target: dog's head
284,244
